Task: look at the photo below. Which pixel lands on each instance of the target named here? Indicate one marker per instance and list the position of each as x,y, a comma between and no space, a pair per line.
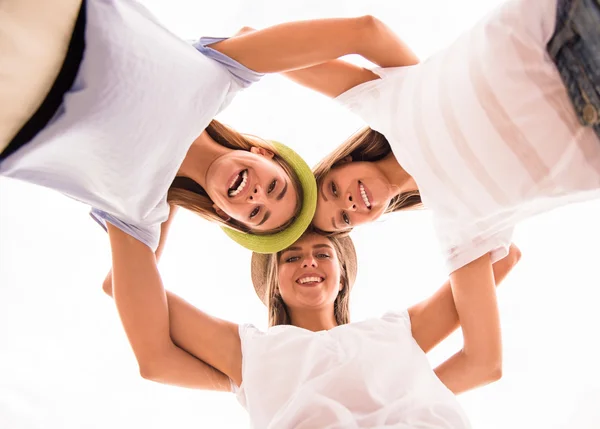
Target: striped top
486,129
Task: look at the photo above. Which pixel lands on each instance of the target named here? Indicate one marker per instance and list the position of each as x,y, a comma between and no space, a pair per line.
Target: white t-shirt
486,129
369,374
140,98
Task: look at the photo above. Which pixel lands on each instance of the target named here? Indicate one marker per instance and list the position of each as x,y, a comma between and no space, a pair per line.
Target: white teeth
364,196
310,280
241,186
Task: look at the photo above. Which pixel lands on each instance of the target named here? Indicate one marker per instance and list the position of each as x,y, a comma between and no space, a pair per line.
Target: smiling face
250,187
351,194
309,273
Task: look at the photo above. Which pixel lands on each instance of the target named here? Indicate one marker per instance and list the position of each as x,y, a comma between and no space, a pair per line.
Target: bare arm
143,308
480,360
435,318
307,51
191,329
164,231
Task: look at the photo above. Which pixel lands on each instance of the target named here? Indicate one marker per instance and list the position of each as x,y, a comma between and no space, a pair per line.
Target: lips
365,196
310,279
238,183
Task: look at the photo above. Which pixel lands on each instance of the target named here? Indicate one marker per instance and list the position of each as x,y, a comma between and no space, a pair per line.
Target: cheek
375,214
286,290
364,218
320,219
285,277
346,174
332,270
265,168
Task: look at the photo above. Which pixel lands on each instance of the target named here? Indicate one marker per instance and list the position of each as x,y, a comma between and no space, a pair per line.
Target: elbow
156,364
244,30
107,286
368,20
490,372
494,372
367,25
150,370
514,254
484,370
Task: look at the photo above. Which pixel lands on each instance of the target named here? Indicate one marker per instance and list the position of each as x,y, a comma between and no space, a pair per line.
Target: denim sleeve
242,74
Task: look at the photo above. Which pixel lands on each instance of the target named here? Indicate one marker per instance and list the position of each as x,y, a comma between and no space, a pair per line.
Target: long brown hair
198,201
366,145
278,311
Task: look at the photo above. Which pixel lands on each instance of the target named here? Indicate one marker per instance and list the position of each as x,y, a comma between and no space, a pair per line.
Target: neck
200,156
400,181
313,320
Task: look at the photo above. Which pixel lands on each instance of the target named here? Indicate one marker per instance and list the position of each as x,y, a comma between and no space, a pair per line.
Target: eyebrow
323,191
335,227
264,219
290,249
320,246
296,248
283,191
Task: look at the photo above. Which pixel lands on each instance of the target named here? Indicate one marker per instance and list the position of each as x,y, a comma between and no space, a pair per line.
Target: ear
262,151
345,160
341,286
221,213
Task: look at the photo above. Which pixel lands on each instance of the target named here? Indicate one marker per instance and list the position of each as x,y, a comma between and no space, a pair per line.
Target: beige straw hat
260,266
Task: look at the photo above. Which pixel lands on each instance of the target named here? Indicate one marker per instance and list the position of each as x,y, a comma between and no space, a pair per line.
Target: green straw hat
273,243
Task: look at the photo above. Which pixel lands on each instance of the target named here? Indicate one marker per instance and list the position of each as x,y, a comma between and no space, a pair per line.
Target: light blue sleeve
150,236
242,74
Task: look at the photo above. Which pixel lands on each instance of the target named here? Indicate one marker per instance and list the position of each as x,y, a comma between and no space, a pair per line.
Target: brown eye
334,189
272,186
254,212
345,218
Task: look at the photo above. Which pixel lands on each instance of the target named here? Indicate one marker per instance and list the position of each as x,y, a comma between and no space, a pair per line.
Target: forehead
309,241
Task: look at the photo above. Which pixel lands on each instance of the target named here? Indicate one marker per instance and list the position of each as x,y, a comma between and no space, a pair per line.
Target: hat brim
259,267
273,243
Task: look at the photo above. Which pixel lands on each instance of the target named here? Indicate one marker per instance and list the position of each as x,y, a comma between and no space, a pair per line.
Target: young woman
127,124
127,127
501,125
312,367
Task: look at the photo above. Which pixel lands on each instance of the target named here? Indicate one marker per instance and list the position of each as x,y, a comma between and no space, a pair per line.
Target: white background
65,362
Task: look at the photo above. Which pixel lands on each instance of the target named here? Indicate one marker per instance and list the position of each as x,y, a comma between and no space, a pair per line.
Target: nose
349,203
309,261
257,195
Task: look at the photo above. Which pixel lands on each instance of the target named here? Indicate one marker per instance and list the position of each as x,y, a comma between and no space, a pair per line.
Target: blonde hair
278,311
370,146
198,201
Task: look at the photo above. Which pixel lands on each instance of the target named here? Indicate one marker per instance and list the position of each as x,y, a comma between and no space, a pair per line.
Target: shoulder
147,234
241,75
400,318
374,100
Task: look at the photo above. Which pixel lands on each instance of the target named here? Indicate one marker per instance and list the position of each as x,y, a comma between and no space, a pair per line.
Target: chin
312,303
315,303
